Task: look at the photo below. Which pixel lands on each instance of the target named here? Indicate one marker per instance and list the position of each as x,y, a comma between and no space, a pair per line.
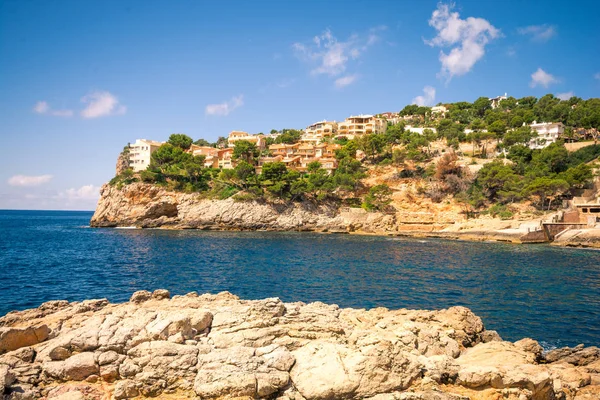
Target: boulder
140,296
15,338
125,389
6,378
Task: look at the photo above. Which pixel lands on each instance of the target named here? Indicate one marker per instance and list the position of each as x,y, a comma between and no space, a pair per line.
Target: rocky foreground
218,346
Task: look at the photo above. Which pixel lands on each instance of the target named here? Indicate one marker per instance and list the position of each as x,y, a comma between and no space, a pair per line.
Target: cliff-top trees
245,150
180,140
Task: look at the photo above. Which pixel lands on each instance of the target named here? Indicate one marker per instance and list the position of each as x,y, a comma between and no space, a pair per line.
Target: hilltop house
495,101
360,125
314,134
548,132
439,110
235,136
140,153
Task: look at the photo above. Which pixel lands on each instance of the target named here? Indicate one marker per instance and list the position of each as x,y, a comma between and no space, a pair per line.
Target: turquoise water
547,293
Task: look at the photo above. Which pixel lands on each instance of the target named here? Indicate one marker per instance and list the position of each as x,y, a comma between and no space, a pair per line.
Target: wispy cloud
223,109
86,192
345,81
542,78
597,75
285,83
42,107
467,37
538,33
328,56
565,96
101,104
427,99
25,180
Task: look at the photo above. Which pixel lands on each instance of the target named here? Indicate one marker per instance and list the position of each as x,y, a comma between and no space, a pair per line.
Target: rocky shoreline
219,346
146,206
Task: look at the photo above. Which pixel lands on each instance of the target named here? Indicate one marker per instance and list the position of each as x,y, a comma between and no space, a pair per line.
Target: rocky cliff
218,346
150,206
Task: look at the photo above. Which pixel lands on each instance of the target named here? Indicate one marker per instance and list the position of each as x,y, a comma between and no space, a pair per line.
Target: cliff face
220,347
149,206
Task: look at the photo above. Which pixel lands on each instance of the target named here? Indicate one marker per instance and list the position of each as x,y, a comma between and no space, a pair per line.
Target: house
495,101
140,153
418,130
359,125
306,151
391,117
263,160
224,159
235,136
314,134
548,132
283,149
439,110
211,154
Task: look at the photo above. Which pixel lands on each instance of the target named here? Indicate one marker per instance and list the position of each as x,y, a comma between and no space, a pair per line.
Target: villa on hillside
439,110
235,136
315,133
495,101
359,125
140,153
548,133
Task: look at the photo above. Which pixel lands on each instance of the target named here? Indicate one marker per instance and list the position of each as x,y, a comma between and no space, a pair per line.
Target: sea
550,294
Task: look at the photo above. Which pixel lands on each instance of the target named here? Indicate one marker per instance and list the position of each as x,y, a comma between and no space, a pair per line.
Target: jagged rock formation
122,162
145,205
218,346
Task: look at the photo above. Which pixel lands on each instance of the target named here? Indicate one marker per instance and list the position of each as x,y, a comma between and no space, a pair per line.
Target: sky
81,79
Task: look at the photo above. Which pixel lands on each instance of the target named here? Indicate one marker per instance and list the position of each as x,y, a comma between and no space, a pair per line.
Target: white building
140,153
496,100
315,133
548,132
439,110
358,125
418,130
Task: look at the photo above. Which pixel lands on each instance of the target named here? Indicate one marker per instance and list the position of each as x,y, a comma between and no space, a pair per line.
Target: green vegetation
433,157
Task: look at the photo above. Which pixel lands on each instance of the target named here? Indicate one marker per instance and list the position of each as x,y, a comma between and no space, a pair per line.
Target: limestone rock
220,346
140,296
125,389
15,338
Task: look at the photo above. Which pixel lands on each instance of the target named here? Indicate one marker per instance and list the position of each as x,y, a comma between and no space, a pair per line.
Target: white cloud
42,107
467,37
542,78
427,99
86,192
345,81
285,83
24,180
565,96
101,104
538,33
597,75
329,56
223,109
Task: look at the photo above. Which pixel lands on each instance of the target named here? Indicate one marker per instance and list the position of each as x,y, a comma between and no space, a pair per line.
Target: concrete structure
140,153
314,134
284,149
360,125
548,132
439,110
495,101
235,136
419,130
224,159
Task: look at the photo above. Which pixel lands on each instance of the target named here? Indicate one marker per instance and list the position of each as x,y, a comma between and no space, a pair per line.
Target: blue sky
81,79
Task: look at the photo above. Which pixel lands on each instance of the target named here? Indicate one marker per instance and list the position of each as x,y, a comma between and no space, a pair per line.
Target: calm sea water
550,294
